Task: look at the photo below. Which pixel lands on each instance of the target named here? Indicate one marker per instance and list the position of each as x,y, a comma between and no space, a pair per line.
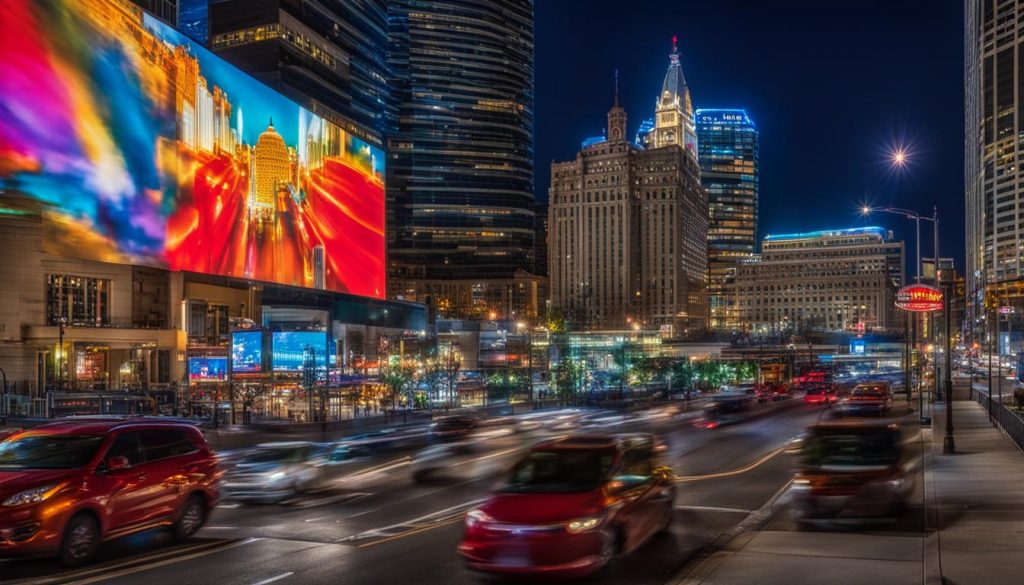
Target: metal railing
1010,421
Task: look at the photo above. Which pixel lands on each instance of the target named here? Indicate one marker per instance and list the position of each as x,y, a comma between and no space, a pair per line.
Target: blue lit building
646,127
727,146
829,280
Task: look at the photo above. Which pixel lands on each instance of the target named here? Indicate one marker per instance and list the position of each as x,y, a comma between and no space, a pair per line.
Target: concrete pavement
965,527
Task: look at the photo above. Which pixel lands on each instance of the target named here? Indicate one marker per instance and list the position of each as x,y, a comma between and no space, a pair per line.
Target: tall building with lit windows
460,157
627,232
993,170
728,151
829,280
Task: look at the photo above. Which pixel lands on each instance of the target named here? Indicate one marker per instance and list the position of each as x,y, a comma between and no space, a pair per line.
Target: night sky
832,86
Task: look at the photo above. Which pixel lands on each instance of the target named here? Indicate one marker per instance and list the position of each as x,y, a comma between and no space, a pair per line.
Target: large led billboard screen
207,369
247,351
291,348
143,147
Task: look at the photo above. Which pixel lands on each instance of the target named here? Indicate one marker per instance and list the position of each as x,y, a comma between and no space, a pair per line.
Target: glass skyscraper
460,151
727,142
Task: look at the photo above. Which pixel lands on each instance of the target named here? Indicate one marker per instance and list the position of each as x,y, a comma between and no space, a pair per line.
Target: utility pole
948,444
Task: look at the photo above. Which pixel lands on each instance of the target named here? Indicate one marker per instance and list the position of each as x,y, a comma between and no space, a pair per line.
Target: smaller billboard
247,351
291,349
919,298
207,369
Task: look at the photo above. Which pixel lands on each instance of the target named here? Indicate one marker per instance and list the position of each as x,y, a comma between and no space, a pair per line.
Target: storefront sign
919,298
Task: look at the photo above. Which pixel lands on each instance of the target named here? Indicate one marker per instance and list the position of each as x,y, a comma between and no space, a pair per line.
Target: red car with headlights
571,506
67,486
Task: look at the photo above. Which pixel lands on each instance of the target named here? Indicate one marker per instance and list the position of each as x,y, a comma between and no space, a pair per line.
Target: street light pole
949,444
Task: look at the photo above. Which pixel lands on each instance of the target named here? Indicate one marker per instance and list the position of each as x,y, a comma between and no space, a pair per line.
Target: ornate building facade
628,225
832,280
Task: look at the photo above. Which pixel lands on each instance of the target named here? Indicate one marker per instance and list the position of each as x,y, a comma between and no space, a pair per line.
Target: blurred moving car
441,460
867,399
854,469
570,506
67,486
820,393
450,428
275,472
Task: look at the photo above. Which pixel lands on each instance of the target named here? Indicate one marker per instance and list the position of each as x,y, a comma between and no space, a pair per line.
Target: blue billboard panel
247,351
207,369
291,348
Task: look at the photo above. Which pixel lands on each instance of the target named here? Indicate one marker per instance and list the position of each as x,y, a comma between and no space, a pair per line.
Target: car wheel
191,517
81,540
665,524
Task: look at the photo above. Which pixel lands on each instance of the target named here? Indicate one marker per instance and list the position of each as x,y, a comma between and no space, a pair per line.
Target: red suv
570,506
67,486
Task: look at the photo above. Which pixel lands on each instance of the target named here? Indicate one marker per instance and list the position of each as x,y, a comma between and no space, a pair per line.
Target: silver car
275,472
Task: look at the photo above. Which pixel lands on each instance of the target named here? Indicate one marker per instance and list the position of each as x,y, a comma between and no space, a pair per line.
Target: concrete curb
706,561
931,559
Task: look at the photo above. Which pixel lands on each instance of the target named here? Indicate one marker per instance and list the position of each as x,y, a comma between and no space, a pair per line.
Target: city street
380,526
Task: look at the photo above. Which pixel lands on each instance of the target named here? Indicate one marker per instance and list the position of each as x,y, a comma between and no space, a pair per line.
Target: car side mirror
117,463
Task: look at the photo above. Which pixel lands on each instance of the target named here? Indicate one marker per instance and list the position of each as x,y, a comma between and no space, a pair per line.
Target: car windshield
560,471
868,392
855,449
274,455
48,451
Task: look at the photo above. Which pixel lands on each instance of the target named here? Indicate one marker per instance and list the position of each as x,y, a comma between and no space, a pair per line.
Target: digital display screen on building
247,351
207,369
292,349
140,146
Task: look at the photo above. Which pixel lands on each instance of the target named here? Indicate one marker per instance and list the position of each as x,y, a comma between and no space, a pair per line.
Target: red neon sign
919,298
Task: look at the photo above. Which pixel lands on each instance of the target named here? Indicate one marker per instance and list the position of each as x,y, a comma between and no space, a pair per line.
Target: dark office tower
460,158
728,151
165,10
329,55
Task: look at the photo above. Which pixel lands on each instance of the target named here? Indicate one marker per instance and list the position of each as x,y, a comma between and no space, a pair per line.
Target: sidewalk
975,500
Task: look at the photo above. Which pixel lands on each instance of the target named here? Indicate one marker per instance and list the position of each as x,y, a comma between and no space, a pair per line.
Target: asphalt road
382,527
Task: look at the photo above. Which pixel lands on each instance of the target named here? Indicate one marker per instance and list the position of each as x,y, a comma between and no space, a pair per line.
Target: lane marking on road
155,555
221,527
327,500
393,464
411,532
317,519
430,521
741,470
713,509
277,578
358,514
131,571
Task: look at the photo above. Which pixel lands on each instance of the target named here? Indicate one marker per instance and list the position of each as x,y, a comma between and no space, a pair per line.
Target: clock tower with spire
673,122
616,116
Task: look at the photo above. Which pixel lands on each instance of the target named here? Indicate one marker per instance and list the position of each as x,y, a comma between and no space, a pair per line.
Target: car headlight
277,476
32,496
477,516
584,524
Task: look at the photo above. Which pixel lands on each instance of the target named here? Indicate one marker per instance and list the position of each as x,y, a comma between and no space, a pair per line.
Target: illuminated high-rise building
994,141
627,233
673,111
460,166
271,168
728,152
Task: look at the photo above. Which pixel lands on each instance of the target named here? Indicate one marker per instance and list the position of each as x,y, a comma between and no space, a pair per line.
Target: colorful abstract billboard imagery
140,146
